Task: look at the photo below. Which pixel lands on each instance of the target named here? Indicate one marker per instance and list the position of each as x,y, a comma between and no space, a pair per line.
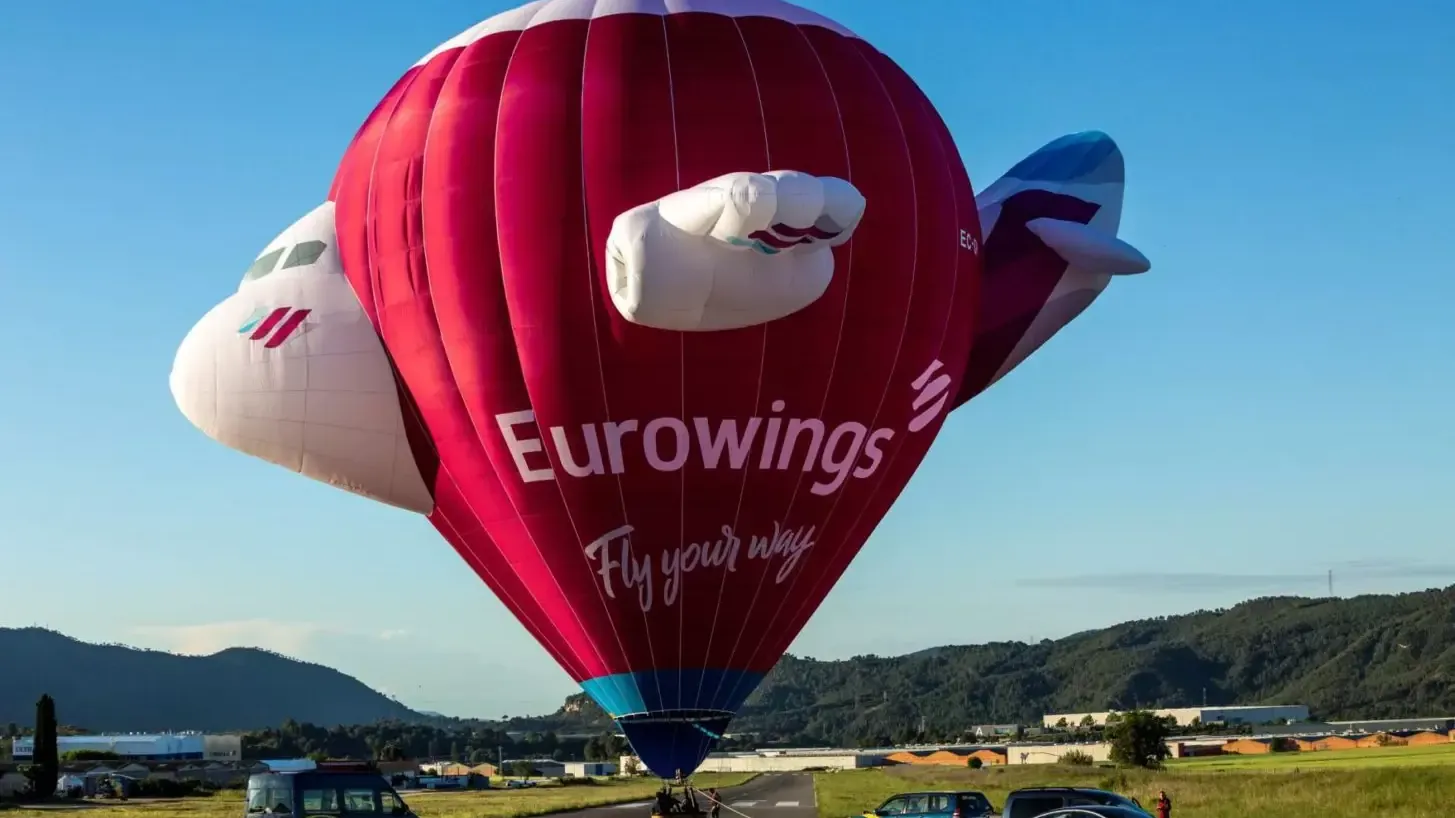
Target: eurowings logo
772,440
273,327
926,392
780,237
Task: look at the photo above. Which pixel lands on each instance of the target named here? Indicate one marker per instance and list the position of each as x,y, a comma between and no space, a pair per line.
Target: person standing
1164,805
714,803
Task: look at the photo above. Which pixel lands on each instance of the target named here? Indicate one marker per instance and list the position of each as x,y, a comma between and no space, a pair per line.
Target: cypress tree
47,753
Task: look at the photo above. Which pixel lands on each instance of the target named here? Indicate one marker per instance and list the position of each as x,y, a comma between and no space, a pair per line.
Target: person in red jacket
1164,805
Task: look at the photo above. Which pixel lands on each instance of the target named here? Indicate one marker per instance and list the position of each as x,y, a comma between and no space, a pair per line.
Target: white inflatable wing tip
1089,249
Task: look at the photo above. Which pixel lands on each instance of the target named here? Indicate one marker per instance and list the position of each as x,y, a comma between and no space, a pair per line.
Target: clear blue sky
1273,400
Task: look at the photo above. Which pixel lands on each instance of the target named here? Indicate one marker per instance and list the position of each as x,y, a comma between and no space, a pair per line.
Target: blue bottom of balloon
673,718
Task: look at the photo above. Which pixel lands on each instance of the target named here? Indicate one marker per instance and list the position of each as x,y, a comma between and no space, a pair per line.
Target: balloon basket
679,799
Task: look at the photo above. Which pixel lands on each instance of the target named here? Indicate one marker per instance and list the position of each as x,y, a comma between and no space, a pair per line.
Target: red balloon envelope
678,292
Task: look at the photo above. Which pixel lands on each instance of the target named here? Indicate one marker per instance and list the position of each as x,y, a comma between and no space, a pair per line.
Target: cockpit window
264,264
305,252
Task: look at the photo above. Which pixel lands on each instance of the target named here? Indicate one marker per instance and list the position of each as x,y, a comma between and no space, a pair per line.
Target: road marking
632,806
744,804
786,804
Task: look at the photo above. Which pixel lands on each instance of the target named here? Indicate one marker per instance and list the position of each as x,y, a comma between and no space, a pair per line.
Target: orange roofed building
1248,747
1425,737
1336,743
947,758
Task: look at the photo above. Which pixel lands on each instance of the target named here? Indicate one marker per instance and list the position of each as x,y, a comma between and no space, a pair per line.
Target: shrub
167,788
1116,782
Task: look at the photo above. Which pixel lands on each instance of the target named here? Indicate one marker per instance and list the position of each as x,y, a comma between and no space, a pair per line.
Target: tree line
395,741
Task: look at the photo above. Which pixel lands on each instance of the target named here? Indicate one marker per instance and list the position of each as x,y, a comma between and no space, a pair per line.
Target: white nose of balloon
736,251
290,370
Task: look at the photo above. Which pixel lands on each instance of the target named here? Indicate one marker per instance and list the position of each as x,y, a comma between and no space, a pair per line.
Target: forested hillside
118,688
1365,657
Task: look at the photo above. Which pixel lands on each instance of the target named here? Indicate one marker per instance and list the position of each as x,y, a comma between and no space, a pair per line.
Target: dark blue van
325,790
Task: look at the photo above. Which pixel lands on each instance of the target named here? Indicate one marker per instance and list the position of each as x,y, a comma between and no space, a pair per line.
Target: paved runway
775,795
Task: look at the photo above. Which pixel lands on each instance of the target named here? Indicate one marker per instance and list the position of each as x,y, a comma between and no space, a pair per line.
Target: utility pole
1331,582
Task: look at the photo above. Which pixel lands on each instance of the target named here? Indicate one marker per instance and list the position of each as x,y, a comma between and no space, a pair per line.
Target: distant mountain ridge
1376,656
117,688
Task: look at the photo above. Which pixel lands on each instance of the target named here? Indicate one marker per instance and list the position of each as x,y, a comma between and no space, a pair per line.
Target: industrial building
774,761
144,747
1440,724
985,730
957,757
1251,714
541,767
778,761
586,769
1098,752
550,768
440,769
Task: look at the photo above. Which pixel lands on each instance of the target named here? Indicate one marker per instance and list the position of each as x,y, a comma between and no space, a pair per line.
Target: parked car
1096,811
1034,802
938,804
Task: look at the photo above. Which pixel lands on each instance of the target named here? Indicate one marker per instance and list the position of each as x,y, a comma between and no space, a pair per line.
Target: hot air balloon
653,307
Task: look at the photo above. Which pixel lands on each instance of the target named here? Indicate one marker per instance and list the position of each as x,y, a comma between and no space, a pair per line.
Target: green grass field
498,803
1427,756
1361,784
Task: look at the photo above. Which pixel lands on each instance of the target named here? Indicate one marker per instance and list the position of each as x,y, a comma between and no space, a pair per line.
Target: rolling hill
117,688
1364,657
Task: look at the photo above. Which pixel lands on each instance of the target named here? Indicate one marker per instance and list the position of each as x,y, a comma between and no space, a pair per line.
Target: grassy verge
1418,791
497,803
1427,756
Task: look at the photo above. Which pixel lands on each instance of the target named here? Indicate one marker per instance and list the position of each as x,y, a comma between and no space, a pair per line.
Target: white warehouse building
1250,714
586,769
144,747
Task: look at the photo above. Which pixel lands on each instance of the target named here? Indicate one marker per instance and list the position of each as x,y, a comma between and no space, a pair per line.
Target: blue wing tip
1085,157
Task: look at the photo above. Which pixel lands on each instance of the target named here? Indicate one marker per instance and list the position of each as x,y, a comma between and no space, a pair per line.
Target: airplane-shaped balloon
657,416
1051,248
243,374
